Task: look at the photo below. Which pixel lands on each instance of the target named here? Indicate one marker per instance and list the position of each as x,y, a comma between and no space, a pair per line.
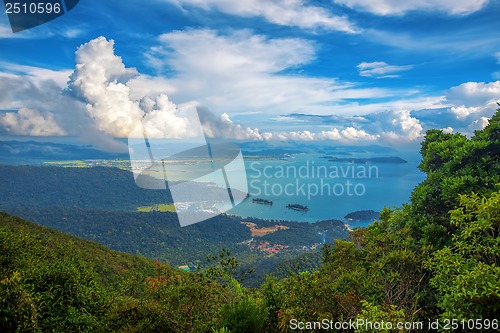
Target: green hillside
97,188
100,204
52,282
431,265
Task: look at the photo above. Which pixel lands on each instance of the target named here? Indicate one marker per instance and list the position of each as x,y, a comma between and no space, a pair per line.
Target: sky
351,72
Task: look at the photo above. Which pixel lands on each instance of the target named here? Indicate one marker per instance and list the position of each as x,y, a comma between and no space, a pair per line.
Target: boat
298,207
262,201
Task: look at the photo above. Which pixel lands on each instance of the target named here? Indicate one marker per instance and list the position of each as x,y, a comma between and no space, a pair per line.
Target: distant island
298,207
262,201
392,159
363,215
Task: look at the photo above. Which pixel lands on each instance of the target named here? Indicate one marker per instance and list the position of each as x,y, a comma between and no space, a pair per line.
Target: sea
329,189
329,186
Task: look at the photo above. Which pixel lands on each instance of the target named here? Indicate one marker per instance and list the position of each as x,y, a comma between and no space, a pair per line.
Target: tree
466,273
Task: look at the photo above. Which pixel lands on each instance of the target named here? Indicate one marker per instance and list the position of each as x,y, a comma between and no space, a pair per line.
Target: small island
262,201
363,215
389,160
298,207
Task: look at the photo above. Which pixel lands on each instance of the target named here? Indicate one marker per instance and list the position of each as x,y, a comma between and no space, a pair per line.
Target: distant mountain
33,152
390,160
30,152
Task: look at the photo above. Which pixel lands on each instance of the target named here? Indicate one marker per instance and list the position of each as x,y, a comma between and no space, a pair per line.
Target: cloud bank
293,13
31,122
105,100
400,7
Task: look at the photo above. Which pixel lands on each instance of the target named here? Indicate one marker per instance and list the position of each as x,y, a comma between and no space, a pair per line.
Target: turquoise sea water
329,189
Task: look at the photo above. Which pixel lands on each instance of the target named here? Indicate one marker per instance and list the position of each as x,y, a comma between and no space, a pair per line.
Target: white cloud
72,32
282,12
237,53
465,107
399,7
474,93
43,95
30,122
396,126
347,135
101,80
223,126
448,130
381,69
479,124
97,79
350,133
463,112
151,86
37,74
333,135
242,71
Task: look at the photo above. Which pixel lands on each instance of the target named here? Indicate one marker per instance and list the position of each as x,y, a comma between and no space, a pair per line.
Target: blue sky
345,71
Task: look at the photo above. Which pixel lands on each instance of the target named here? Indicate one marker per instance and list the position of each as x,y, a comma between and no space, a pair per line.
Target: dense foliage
97,188
435,258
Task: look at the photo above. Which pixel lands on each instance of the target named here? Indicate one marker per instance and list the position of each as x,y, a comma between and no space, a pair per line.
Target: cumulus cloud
396,125
282,12
447,130
400,7
479,124
349,134
96,79
223,126
380,69
30,122
463,112
464,108
474,103
100,79
473,93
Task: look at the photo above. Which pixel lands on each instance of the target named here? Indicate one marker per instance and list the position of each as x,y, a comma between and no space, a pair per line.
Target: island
298,207
363,215
262,201
391,160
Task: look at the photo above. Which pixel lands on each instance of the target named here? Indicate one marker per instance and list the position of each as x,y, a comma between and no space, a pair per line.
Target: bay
330,189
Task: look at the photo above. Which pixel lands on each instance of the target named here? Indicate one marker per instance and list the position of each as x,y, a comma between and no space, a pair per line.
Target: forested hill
52,282
431,265
97,188
101,204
